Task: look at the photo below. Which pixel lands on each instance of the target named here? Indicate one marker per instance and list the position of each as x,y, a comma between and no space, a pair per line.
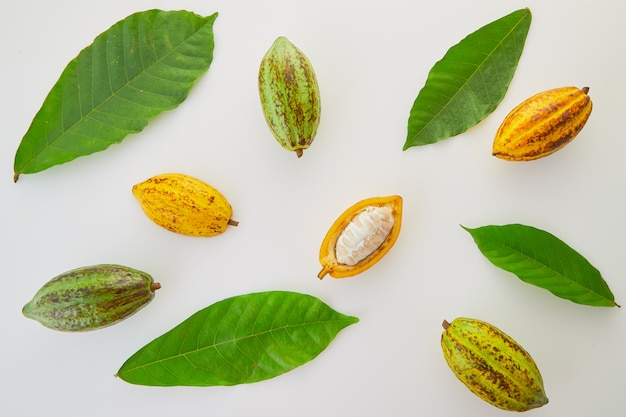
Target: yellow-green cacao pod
91,297
290,96
492,365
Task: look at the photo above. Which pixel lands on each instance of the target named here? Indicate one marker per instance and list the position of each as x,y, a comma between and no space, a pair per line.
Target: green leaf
469,82
139,67
540,258
239,340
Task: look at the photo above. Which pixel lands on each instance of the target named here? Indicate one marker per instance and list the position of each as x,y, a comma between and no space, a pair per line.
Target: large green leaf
139,67
540,258
469,82
238,340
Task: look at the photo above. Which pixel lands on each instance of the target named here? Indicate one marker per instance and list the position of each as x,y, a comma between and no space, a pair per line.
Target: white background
371,60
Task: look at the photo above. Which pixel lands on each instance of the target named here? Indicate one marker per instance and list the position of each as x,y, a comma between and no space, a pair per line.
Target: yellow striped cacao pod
492,365
290,96
542,124
184,204
361,236
91,297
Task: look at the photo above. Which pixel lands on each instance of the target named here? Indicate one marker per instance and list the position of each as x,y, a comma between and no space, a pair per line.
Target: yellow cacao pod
184,204
492,365
542,124
361,236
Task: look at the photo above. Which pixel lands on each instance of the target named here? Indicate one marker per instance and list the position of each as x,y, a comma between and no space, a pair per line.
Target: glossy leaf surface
139,67
540,258
238,340
469,82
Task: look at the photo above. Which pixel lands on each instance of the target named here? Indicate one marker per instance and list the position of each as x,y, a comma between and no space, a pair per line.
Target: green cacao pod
91,297
290,96
492,365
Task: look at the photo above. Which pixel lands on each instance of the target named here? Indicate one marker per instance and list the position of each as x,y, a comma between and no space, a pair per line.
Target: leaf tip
350,320
16,176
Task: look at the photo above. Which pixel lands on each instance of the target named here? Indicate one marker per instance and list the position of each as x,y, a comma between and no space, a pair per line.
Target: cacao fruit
184,204
290,96
542,124
492,365
91,297
361,236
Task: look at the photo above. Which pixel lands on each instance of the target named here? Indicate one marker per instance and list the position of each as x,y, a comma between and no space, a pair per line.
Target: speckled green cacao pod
492,365
290,96
91,297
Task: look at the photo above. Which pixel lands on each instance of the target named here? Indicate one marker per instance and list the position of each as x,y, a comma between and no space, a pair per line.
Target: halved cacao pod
542,124
492,365
361,236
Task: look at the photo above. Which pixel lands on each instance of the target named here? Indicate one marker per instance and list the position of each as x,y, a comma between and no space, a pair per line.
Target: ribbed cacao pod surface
542,124
361,236
91,297
184,204
492,365
290,95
